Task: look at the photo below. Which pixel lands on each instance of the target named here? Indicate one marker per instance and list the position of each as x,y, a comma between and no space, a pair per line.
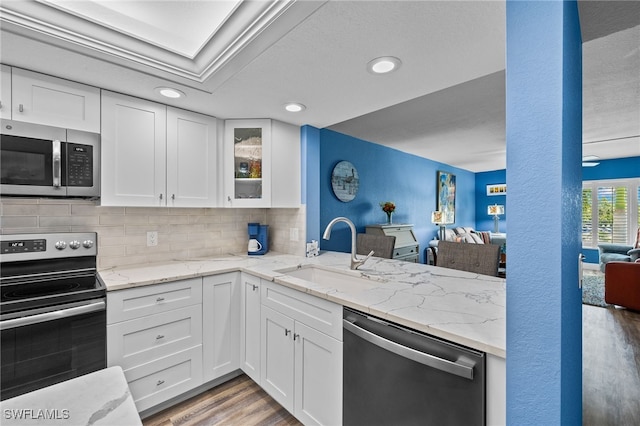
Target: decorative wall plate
345,181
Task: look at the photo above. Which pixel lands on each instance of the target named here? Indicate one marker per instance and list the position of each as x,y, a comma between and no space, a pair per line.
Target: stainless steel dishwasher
397,376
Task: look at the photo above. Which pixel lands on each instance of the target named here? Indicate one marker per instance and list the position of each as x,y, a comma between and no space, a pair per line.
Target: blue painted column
544,134
310,153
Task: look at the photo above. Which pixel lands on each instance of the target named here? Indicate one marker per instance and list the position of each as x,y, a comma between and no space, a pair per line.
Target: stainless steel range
52,310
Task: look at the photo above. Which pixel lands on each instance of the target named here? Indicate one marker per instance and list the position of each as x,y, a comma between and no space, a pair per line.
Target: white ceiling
247,59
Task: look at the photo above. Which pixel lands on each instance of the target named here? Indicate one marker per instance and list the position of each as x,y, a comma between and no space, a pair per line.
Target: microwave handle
57,163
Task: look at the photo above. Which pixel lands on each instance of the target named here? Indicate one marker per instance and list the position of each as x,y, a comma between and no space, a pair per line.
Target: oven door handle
50,316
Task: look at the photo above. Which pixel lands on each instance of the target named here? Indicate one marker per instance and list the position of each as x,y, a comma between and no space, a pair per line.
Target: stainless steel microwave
38,160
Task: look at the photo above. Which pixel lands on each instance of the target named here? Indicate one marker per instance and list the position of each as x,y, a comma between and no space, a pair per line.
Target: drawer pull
286,332
160,299
21,108
255,287
295,336
159,382
159,336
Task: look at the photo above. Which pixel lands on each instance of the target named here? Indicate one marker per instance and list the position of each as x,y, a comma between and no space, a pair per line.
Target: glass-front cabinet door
248,164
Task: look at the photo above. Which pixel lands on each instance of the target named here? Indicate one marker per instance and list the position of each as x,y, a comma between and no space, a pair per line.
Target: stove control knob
61,245
87,244
75,244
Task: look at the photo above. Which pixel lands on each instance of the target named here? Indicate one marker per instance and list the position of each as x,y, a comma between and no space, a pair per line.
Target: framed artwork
499,189
447,196
345,181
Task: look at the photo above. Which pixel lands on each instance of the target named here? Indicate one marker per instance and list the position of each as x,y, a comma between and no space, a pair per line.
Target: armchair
622,284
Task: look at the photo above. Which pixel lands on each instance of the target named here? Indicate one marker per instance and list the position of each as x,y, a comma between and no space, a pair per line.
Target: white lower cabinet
172,337
250,326
301,367
155,334
221,324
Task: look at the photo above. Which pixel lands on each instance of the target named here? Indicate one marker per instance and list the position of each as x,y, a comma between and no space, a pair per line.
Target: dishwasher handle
409,353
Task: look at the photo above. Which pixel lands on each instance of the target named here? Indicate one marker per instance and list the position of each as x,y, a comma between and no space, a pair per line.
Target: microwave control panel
79,165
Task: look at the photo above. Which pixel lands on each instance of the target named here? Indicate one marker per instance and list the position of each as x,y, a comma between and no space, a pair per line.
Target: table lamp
495,211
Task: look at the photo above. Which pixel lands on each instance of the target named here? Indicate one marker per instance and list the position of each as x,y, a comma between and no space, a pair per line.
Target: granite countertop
98,398
462,307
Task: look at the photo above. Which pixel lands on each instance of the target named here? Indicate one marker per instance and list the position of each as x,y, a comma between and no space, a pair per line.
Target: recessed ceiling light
383,65
169,92
294,107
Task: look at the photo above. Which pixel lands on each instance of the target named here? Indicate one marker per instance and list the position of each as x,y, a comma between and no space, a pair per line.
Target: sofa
622,284
610,252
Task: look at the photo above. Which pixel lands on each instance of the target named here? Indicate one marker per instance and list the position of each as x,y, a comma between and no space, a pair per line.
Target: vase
389,217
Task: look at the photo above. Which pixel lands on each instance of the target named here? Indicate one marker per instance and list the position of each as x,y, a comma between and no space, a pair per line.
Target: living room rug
593,290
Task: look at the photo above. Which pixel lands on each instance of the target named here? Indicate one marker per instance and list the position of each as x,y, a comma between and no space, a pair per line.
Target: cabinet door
276,376
318,377
247,163
250,327
5,92
191,159
133,151
221,324
39,98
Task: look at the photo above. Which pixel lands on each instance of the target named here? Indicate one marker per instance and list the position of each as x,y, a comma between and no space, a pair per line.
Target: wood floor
610,396
610,366
237,402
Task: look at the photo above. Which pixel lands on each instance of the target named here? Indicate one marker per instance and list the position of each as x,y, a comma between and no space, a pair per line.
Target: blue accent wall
386,174
544,178
484,222
310,155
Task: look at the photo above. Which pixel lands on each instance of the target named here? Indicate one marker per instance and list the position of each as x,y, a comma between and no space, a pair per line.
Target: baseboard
591,266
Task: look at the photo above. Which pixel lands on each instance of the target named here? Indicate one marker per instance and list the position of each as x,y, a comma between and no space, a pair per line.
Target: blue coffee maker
258,239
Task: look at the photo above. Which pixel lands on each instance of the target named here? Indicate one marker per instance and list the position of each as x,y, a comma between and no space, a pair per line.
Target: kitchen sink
329,278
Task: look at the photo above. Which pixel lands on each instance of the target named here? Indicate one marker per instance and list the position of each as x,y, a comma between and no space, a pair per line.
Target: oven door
32,159
50,345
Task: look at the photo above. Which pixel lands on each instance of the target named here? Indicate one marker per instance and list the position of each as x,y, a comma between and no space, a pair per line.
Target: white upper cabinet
5,92
262,164
248,163
133,151
156,156
191,159
41,99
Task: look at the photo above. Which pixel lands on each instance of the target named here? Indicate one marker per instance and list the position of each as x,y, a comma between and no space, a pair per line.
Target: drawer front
403,236
317,313
153,383
405,251
143,340
132,303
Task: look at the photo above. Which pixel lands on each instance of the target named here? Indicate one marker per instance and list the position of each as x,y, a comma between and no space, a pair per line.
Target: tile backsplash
183,233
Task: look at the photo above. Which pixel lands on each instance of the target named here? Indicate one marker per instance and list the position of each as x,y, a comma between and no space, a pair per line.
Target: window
610,211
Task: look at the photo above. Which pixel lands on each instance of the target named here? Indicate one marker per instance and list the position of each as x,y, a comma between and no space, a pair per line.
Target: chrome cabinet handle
295,336
580,270
159,336
159,382
160,299
57,163
286,332
0,104
173,197
160,197
21,108
409,353
255,287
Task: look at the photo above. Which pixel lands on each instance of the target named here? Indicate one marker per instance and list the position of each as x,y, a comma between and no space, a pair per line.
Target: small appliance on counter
258,239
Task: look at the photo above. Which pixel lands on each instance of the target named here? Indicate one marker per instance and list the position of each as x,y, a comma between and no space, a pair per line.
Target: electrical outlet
152,238
293,234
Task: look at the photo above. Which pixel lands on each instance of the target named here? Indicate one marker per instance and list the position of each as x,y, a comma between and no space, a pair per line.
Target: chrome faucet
355,262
